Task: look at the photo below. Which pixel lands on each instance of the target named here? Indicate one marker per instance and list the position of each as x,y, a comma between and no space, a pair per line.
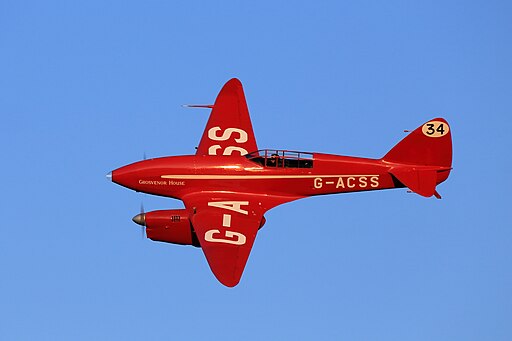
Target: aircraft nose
109,176
140,219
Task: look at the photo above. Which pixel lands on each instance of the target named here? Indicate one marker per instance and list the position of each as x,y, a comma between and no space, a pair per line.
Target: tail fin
423,159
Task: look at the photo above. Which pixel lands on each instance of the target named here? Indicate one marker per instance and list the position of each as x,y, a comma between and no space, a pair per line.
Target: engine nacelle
170,226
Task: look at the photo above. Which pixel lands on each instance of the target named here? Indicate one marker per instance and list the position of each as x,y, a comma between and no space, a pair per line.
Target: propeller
140,219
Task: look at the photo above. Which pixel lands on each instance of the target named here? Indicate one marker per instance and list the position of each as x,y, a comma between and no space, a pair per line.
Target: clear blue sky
88,87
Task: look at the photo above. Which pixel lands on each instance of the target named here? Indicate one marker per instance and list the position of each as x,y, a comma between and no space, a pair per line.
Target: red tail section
428,145
423,158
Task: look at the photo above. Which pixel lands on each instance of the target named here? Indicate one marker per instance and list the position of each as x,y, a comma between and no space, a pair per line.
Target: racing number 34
435,129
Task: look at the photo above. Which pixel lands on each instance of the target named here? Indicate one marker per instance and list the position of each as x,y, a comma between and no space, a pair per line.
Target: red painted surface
228,186
170,226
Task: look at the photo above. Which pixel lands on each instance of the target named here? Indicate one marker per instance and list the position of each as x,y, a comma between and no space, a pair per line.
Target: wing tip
227,278
234,80
229,283
233,83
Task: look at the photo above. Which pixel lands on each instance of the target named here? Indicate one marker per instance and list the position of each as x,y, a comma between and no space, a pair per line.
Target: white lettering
213,149
152,182
350,182
212,134
374,181
362,182
240,238
226,220
229,150
176,183
230,205
340,183
317,183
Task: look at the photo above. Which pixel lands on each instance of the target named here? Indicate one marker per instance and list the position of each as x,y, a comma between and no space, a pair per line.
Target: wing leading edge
229,129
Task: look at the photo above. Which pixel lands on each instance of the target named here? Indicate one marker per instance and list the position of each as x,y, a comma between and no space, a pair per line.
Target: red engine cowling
170,226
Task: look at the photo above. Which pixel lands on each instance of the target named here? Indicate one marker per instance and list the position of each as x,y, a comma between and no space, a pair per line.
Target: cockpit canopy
281,158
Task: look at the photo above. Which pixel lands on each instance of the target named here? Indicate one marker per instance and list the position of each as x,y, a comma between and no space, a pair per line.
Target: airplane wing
229,128
226,225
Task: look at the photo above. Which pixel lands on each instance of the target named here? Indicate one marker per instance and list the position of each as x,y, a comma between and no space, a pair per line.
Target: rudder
423,159
428,145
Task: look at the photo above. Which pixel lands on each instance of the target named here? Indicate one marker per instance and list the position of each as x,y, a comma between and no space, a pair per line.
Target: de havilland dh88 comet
229,184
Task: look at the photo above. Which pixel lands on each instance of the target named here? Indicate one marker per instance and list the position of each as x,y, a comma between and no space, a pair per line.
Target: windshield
281,158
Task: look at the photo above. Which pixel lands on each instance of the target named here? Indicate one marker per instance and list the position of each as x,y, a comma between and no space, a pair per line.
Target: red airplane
228,185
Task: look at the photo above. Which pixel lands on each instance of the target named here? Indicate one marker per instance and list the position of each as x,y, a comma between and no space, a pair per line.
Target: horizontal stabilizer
420,181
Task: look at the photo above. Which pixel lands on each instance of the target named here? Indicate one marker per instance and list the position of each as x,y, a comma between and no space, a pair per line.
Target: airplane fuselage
176,176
